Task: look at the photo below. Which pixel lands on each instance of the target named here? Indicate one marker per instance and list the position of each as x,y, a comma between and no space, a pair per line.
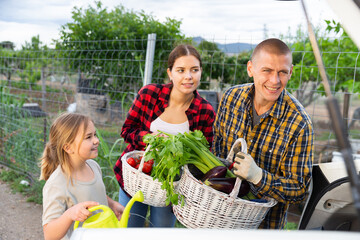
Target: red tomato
151,161
131,162
137,160
147,167
137,166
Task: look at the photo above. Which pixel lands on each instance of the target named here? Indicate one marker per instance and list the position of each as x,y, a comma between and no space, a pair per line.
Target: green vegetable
173,152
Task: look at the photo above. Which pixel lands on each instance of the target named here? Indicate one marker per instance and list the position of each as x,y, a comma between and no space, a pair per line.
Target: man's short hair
271,45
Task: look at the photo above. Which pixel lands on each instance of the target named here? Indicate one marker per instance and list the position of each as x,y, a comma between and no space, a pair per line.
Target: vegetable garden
101,78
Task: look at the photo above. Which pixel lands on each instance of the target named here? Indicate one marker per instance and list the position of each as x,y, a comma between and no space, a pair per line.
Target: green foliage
9,107
110,46
20,142
9,176
107,157
32,192
217,65
7,44
8,99
171,153
7,63
30,74
340,57
291,226
28,62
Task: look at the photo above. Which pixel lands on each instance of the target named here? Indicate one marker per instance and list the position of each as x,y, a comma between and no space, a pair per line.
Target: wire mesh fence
101,79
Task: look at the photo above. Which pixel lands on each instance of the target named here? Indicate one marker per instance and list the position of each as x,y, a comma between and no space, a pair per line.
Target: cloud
35,11
18,33
227,19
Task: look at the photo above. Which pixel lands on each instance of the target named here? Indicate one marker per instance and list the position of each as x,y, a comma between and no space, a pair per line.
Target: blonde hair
63,131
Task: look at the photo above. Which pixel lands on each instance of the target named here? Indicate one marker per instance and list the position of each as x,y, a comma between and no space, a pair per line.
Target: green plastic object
106,218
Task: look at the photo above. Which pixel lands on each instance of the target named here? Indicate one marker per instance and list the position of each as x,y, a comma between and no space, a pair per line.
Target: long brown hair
63,131
180,51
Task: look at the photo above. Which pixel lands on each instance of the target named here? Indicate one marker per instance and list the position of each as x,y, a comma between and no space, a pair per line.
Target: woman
172,108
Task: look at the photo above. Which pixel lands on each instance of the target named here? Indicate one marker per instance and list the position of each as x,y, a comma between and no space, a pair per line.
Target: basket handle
237,185
142,159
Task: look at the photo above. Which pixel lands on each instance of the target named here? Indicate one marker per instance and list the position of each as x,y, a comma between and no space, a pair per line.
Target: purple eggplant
244,188
195,171
224,185
216,172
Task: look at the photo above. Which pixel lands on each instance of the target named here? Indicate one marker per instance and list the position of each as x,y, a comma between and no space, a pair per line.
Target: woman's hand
159,134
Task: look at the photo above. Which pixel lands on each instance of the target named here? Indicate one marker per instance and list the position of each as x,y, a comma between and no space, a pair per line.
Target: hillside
229,48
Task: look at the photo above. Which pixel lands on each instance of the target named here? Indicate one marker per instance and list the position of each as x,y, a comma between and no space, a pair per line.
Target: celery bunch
172,152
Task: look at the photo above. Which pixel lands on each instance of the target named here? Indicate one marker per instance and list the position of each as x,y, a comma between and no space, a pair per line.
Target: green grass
291,226
33,193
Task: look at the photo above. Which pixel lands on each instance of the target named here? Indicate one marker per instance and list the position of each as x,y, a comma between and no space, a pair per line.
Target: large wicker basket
206,207
135,180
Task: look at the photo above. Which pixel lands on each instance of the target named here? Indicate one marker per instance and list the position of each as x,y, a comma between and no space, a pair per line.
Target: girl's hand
117,208
80,212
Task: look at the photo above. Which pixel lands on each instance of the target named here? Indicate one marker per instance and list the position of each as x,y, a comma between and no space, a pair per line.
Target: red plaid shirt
149,104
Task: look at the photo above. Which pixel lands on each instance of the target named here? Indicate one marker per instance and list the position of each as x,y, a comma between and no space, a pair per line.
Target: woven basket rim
271,202
137,171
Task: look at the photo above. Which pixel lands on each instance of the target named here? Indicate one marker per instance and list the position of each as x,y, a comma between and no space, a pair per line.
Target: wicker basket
135,180
206,207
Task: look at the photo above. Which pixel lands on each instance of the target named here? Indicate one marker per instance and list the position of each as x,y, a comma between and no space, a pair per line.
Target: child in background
73,180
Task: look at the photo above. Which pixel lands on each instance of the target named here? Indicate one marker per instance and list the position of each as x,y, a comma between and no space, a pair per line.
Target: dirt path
19,220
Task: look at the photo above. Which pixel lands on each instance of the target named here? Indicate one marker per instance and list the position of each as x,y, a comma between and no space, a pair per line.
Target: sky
222,21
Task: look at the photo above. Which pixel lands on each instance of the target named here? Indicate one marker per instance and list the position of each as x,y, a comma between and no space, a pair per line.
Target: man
277,130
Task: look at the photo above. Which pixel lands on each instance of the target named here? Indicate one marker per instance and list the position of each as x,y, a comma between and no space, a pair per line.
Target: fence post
346,110
43,89
45,140
149,62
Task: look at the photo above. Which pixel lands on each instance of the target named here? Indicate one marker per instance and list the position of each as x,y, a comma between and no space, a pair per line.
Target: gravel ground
19,220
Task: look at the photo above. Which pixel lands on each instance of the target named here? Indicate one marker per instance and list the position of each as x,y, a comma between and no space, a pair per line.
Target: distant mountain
229,48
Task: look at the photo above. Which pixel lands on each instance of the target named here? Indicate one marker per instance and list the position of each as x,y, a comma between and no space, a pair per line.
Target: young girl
73,180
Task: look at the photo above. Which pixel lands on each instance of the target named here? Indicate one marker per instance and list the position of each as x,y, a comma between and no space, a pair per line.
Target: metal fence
101,79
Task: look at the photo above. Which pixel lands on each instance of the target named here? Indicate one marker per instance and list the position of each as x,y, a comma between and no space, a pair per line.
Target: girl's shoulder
58,174
57,178
93,165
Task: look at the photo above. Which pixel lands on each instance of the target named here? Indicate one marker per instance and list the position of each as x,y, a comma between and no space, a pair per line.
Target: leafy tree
30,75
110,46
340,57
237,68
227,69
213,62
31,60
7,44
27,62
7,62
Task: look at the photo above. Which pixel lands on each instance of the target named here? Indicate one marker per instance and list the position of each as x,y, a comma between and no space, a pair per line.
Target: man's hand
246,168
